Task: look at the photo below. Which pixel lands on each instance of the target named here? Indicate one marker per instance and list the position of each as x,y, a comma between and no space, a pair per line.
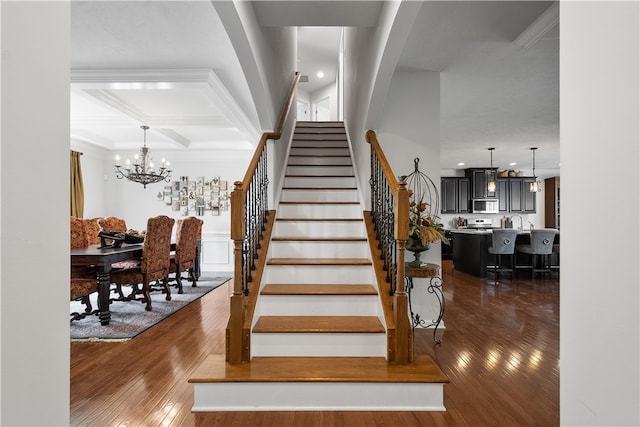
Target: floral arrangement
424,227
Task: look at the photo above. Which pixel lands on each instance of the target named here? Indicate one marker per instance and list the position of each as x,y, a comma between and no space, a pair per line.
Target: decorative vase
414,244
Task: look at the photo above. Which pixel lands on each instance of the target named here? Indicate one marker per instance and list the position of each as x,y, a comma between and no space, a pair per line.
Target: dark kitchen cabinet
479,180
552,202
520,198
503,195
464,187
514,195
454,194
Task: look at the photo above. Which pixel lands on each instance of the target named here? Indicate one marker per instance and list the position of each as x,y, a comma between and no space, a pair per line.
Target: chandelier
142,170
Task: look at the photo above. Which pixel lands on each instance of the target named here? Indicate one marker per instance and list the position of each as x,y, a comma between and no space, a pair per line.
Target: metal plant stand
431,272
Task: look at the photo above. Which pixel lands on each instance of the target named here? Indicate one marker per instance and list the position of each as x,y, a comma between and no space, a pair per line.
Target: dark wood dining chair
183,259
155,262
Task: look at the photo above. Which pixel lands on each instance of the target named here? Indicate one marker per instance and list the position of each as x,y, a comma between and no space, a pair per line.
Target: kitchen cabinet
479,180
514,195
503,194
520,198
552,202
454,194
447,250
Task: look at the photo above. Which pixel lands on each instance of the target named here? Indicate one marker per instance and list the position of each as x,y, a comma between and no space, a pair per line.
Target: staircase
318,341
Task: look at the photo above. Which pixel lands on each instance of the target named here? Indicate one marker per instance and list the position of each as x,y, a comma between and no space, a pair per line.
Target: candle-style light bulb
117,160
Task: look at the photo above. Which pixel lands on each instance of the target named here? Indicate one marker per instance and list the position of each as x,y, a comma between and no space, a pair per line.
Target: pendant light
533,185
491,183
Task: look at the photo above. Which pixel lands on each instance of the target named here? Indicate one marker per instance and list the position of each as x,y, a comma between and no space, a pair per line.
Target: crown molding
122,77
546,21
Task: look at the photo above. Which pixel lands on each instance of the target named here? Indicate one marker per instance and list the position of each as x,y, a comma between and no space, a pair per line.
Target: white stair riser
340,151
306,135
319,229
319,305
322,161
319,211
312,144
337,181
320,170
315,249
316,396
311,195
319,344
338,274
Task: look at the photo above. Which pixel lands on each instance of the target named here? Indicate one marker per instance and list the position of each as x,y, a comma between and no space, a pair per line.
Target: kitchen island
470,254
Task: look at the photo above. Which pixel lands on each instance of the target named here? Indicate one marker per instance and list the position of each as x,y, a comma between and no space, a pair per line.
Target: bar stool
556,250
541,244
503,242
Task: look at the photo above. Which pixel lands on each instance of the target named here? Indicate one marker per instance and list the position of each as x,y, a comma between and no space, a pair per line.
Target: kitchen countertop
479,231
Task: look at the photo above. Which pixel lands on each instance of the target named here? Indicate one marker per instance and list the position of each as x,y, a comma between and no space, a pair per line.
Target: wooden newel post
235,341
404,341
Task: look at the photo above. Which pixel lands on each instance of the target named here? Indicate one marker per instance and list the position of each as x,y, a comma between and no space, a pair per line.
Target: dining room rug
129,319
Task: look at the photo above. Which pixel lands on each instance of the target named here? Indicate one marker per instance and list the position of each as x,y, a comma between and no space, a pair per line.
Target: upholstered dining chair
154,265
93,229
112,223
183,259
541,244
83,279
78,235
80,289
503,242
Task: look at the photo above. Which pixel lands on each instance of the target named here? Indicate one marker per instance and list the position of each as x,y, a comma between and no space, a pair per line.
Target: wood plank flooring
500,351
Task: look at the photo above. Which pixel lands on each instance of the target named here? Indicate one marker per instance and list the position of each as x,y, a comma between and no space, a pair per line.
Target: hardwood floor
500,351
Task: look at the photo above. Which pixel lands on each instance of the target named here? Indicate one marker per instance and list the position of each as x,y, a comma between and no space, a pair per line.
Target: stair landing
318,383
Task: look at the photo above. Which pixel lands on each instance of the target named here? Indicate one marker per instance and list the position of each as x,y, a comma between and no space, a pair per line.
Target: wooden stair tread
320,188
321,166
318,261
318,369
317,289
319,155
319,203
318,219
317,176
319,324
328,147
321,146
318,239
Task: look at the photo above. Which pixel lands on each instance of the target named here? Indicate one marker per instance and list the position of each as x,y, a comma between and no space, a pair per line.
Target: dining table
102,258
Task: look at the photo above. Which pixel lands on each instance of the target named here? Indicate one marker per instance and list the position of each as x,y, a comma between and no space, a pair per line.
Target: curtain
77,188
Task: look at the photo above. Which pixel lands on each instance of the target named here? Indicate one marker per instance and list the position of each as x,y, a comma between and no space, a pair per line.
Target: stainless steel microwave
484,206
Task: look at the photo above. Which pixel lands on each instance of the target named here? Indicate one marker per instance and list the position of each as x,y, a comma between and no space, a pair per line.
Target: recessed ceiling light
461,164
320,74
512,164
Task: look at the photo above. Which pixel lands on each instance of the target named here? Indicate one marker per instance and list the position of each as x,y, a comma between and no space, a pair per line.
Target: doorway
303,110
322,110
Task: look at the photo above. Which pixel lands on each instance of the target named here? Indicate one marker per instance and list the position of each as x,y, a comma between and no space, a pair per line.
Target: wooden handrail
371,138
249,214
400,343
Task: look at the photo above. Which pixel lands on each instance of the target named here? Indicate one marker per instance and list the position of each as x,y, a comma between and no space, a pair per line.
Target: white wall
34,214
600,277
